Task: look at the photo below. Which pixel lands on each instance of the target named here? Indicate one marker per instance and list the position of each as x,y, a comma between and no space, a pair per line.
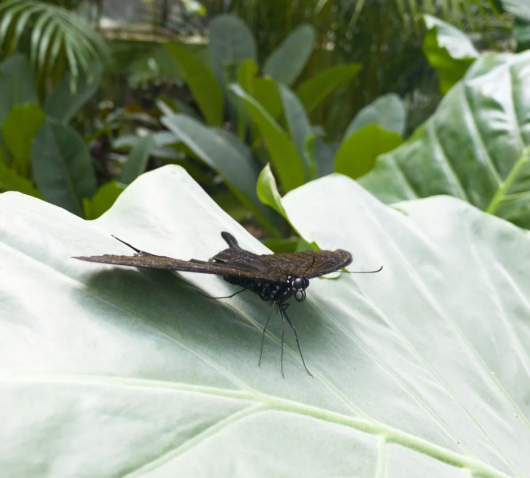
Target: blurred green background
255,98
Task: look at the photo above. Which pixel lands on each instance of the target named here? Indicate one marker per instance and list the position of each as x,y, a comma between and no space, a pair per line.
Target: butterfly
274,277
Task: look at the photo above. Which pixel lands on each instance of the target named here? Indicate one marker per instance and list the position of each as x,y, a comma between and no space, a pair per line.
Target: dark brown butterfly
274,277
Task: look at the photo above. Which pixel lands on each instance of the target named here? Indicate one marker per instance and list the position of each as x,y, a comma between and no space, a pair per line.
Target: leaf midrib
392,435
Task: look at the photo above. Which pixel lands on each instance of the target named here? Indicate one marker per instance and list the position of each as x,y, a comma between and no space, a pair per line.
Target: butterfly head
298,285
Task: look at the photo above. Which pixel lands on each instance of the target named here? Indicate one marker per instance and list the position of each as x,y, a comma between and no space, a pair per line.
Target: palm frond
50,35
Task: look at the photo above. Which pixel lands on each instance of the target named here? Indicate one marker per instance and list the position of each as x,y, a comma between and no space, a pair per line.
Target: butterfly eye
306,283
299,283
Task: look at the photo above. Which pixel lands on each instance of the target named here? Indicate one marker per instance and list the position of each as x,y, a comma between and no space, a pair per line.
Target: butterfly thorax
268,291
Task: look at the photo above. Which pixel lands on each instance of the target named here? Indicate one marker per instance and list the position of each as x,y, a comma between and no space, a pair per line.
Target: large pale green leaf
288,164
16,84
388,111
18,131
288,60
231,161
201,81
62,168
448,50
313,91
472,147
231,42
64,101
419,371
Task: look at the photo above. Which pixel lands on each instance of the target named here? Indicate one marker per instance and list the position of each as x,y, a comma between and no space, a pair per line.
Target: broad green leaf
246,74
297,120
103,200
18,131
288,60
448,50
214,149
267,190
11,181
287,163
62,169
419,371
201,81
388,111
16,84
473,147
64,101
265,92
358,152
137,159
231,42
313,91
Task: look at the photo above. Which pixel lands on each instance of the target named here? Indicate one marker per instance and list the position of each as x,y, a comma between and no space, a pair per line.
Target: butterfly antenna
364,272
280,310
226,297
263,337
283,308
123,242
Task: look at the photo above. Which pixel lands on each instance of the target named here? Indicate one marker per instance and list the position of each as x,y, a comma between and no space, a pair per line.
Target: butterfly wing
306,264
237,267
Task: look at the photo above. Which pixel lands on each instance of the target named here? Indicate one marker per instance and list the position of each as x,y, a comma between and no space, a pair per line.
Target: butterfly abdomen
267,290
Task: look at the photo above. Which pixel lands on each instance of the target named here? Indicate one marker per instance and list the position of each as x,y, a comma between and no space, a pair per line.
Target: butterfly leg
280,310
283,308
226,297
263,337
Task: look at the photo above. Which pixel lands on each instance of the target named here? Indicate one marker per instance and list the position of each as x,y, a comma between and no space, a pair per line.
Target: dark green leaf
286,161
473,147
231,42
357,153
201,81
388,111
218,152
137,159
103,200
18,131
520,8
62,168
325,156
521,33
316,89
288,60
16,84
448,50
297,120
64,101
